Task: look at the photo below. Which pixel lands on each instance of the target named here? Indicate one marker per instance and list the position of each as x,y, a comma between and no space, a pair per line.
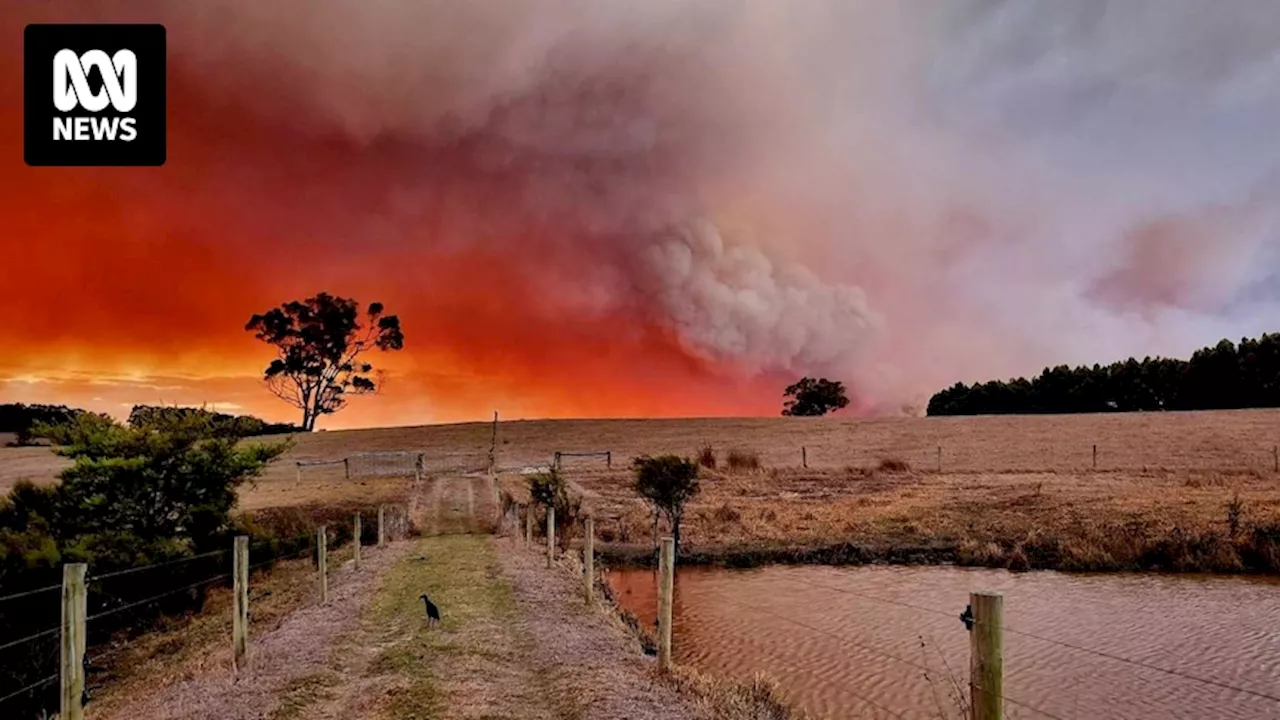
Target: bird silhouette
433,612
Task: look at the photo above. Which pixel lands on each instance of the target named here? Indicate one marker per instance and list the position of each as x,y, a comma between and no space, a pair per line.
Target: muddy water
843,643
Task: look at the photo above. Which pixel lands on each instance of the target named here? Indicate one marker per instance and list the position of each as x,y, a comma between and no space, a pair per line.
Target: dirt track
283,659
517,640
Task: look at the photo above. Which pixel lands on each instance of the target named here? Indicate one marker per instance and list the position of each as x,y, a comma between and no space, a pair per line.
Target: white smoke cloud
729,301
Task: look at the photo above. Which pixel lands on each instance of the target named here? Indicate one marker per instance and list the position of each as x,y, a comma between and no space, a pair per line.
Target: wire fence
947,455
563,458
399,464
129,599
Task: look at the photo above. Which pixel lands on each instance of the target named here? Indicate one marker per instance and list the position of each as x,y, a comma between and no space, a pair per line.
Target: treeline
1224,376
20,419
240,425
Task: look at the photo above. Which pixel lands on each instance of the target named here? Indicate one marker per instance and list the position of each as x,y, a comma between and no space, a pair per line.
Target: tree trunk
308,417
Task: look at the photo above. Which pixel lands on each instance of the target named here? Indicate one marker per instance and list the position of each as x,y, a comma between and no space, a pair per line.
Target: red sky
660,208
132,285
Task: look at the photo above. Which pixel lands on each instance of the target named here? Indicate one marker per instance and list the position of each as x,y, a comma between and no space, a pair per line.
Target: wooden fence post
986,656
528,526
346,467
1275,454
804,456
382,525
74,604
297,474
555,464
240,620
589,559
666,588
1095,456
471,505
551,535
497,497
357,530
608,459
322,562
493,445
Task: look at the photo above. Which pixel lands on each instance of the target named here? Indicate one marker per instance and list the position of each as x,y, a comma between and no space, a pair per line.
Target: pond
888,642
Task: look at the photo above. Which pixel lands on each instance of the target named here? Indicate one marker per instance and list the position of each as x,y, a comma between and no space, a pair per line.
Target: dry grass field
1011,490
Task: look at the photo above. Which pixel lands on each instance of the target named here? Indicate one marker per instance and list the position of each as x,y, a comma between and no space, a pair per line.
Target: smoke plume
694,195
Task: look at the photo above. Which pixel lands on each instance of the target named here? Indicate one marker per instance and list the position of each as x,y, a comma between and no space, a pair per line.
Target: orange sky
661,208
125,286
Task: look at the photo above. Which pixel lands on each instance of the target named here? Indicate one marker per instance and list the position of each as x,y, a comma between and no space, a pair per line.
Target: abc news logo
71,90
107,105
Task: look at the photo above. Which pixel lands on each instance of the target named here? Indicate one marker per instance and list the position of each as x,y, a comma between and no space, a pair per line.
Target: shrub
667,482
707,457
1235,512
162,490
894,465
725,513
549,489
740,460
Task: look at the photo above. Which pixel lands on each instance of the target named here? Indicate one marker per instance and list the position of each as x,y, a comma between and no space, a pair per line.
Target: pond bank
1122,549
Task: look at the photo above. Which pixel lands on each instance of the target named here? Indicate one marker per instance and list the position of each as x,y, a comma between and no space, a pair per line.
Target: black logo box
41,42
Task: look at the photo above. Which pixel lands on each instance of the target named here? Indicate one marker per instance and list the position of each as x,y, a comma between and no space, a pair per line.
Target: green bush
159,491
667,482
550,490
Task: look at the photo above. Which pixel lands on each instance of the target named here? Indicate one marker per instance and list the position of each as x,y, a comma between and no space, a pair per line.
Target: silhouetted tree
667,482
811,397
318,342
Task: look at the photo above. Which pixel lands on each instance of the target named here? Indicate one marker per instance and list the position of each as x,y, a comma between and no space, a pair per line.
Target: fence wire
1012,631
30,687
846,641
28,593
153,566
29,638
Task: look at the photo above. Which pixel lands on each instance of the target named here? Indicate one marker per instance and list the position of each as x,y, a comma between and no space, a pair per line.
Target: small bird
433,612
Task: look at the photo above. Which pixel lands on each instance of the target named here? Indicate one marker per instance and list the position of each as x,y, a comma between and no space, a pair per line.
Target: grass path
477,662
292,664
515,643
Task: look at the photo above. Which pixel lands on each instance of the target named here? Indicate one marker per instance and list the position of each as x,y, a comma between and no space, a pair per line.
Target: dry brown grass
740,460
723,698
1226,440
1174,520
184,647
1011,487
